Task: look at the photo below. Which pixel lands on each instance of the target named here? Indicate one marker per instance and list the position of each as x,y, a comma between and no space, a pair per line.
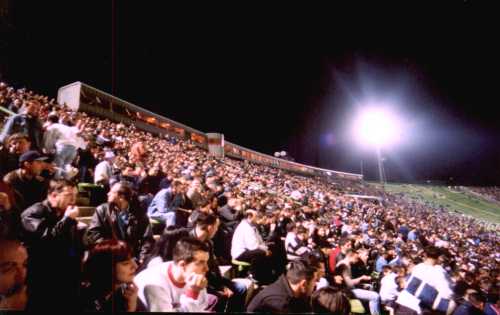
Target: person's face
19,146
198,266
66,198
302,236
321,271
125,270
212,229
32,108
36,167
5,201
364,255
347,246
306,288
321,232
176,189
13,263
113,195
254,219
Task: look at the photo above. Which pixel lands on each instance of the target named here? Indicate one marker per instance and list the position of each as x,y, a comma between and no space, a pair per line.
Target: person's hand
273,226
196,282
4,201
16,301
72,211
50,167
130,295
366,278
226,292
338,279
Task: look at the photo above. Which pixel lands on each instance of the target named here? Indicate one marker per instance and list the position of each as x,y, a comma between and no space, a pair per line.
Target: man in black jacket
289,294
26,183
55,252
121,218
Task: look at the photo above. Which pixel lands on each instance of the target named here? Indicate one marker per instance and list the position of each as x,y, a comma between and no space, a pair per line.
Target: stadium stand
376,255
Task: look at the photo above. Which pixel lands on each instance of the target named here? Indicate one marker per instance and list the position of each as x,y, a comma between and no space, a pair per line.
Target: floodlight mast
377,128
381,173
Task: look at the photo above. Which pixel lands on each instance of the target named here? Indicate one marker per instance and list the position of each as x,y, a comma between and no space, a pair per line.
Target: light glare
377,127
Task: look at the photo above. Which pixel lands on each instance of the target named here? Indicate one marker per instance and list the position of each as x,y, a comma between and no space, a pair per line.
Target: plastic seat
241,267
357,307
95,193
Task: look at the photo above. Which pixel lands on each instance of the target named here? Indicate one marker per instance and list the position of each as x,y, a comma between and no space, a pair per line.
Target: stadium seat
85,220
156,226
86,211
241,268
95,193
225,271
357,307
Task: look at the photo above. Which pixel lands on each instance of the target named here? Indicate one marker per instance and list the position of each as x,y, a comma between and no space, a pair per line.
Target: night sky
271,80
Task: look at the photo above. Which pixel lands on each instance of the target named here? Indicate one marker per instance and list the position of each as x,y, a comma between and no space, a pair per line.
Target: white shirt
160,293
388,287
246,237
432,277
103,171
60,134
290,239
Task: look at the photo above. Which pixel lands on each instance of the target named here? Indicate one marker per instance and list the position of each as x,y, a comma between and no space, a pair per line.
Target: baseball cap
31,156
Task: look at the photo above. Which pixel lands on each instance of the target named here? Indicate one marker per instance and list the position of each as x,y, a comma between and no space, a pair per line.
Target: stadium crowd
489,192
169,216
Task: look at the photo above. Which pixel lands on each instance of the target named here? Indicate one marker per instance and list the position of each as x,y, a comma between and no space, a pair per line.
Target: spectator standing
63,141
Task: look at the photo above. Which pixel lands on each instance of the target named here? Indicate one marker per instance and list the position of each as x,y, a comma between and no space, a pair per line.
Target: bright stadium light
377,127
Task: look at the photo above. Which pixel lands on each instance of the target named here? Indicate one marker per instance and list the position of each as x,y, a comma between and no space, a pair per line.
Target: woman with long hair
109,272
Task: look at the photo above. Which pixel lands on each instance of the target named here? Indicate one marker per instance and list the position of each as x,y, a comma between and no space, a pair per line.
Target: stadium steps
86,211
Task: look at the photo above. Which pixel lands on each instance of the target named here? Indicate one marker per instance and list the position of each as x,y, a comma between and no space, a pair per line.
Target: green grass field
452,200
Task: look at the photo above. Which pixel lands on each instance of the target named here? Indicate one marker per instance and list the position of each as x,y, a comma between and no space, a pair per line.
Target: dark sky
271,80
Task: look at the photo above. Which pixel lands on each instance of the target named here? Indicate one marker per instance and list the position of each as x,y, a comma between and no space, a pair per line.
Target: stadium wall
82,97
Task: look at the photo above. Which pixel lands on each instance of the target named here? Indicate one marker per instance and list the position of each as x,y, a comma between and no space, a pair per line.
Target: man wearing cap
15,145
27,123
27,184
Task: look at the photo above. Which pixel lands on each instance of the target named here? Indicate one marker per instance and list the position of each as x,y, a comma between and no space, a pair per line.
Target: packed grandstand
99,214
